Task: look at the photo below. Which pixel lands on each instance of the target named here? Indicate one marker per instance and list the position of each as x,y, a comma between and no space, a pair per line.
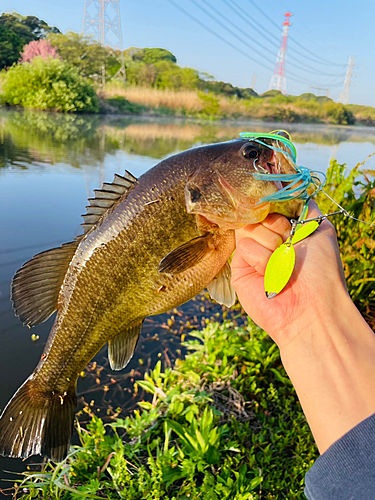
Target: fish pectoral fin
35,287
187,255
121,348
220,288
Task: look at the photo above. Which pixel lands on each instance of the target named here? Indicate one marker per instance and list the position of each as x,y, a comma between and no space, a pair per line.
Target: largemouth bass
149,245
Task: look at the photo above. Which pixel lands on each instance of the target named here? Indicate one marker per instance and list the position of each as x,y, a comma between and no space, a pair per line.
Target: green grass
224,423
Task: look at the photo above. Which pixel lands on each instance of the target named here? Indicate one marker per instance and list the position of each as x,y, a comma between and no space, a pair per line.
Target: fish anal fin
38,423
121,348
187,255
35,286
220,288
107,198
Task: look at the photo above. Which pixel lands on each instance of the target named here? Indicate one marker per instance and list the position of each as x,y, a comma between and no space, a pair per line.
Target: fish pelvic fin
220,288
38,423
121,348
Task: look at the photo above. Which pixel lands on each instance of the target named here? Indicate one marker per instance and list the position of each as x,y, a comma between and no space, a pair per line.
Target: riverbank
21,91
119,99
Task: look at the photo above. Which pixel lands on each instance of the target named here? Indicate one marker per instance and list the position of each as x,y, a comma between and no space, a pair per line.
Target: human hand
316,285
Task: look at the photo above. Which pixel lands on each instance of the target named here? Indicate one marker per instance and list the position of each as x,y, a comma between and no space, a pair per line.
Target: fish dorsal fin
220,288
187,255
106,198
121,348
35,287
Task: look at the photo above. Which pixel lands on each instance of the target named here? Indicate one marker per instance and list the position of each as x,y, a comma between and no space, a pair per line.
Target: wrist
321,313
331,363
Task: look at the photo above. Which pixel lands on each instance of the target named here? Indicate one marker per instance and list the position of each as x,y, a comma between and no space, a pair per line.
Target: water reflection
44,138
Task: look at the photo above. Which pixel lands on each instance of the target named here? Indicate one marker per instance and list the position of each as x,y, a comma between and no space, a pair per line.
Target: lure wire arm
319,219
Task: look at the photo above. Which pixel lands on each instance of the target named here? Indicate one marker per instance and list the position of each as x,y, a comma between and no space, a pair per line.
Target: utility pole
101,18
344,95
253,81
278,80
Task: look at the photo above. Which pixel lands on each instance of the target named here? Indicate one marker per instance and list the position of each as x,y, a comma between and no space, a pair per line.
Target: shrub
210,104
338,114
124,106
48,84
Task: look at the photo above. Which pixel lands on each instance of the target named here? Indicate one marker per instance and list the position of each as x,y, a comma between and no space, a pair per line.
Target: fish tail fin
37,422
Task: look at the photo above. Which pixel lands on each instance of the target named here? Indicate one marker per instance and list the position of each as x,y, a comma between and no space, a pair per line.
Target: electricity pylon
344,95
278,80
101,18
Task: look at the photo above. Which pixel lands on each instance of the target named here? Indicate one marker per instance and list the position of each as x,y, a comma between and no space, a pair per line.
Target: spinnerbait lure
282,261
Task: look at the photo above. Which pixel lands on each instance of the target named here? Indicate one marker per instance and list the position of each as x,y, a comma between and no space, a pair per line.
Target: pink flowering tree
37,48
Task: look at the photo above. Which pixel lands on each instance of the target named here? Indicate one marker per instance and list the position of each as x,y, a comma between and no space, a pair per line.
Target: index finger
278,224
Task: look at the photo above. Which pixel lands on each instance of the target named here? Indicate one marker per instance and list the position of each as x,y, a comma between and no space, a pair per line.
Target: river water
49,166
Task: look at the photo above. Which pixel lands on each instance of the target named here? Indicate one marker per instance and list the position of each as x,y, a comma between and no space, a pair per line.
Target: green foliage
48,84
10,46
338,114
363,114
227,89
357,241
211,105
28,28
271,93
124,106
83,53
149,55
155,67
153,55
225,423
176,78
17,31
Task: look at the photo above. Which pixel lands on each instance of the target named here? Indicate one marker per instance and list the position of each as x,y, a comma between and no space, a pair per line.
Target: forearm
330,358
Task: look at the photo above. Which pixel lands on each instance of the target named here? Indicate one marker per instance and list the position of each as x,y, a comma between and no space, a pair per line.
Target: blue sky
332,30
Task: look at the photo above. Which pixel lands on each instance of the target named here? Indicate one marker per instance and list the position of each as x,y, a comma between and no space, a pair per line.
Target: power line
219,37
294,77
321,60
270,35
306,69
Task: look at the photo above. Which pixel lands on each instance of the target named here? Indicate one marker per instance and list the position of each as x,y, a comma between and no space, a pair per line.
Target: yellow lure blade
279,269
305,230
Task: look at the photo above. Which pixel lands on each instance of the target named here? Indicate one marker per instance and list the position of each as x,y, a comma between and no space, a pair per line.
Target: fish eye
250,151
